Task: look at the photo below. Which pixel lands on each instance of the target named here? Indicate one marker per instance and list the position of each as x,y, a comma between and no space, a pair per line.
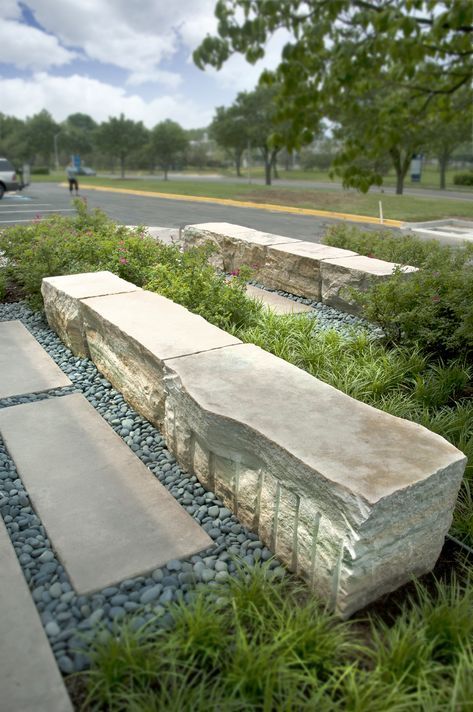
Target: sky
106,57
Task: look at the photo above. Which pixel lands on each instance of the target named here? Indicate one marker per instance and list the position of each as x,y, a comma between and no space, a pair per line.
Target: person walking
72,178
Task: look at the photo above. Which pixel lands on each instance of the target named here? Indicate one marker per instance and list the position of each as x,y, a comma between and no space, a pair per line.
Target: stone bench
354,500
308,269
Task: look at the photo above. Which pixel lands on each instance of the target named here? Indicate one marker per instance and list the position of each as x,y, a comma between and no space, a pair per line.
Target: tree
169,141
13,139
120,137
40,130
420,49
229,129
77,133
256,111
449,129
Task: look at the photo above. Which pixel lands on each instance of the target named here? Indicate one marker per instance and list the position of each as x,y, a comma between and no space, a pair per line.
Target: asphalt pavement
42,199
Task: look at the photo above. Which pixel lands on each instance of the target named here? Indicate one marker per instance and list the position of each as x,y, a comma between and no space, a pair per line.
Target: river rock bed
326,317
72,621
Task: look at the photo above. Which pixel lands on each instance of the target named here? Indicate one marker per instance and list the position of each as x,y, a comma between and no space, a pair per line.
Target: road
43,199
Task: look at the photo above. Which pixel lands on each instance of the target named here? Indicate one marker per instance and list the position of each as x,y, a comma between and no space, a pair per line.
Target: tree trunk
122,166
238,155
267,165
443,163
401,166
274,165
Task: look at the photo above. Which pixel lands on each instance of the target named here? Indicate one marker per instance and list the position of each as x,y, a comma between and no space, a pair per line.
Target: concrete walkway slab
29,678
25,367
107,516
274,301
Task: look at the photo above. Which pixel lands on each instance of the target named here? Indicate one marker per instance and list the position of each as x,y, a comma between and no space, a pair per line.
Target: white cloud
28,48
155,76
66,95
125,35
238,74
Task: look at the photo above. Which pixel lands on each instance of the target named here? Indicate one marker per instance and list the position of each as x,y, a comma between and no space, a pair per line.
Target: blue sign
76,161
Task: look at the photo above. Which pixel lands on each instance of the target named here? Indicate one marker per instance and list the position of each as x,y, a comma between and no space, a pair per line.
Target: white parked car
9,179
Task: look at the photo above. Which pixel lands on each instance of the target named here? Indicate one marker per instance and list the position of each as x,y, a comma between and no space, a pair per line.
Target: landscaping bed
255,639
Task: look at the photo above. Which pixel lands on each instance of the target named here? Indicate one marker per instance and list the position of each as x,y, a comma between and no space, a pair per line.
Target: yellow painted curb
246,204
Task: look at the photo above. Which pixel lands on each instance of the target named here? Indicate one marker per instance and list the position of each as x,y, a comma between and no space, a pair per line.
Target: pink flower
436,298
235,272
123,261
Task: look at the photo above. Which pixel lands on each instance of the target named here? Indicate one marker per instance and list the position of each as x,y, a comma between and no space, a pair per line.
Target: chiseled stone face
354,500
340,275
311,270
62,303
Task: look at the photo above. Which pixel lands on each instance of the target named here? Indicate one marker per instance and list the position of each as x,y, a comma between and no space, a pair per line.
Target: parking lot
39,200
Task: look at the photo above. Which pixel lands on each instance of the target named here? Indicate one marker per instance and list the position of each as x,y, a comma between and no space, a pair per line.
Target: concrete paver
29,678
25,367
106,514
275,302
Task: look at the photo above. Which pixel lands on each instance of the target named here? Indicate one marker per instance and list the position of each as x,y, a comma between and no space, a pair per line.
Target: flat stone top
166,329
91,284
25,367
274,301
239,232
107,516
367,264
364,450
29,678
313,250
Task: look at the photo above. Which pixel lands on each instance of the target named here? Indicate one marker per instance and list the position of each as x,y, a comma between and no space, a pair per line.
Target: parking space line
56,210
15,205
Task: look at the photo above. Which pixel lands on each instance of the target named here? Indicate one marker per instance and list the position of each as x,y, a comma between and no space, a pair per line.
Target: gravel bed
327,317
72,621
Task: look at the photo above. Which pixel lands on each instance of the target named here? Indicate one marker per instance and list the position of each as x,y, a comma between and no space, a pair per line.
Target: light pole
56,157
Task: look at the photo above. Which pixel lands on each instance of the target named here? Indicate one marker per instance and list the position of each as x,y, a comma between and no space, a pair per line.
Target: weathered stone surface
353,499
166,235
62,295
339,275
236,245
274,301
25,367
295,268
106,514
130,335
29,678
308,269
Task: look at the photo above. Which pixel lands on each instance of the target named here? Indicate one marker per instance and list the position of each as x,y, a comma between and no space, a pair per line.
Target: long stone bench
320,272
354,500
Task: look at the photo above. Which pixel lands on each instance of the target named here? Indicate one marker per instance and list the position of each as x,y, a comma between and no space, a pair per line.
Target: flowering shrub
187,278
87,242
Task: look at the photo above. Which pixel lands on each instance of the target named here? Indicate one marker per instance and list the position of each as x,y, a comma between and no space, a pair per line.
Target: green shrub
87,242
402,249
188,279
39,171
463,178
432,308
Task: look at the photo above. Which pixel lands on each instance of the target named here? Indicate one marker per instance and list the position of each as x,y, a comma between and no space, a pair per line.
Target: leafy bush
39,171
432,309
463,178
189,279
86,242
403,249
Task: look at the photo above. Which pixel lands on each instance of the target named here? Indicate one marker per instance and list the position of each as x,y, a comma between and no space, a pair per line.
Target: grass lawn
396,207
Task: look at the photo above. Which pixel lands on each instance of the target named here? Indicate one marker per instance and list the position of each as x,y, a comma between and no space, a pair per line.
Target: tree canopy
120,136
414,55
169,140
